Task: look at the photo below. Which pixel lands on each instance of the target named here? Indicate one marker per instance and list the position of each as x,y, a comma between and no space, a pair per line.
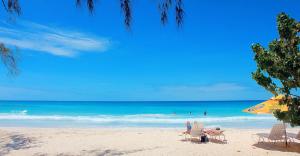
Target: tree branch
4,5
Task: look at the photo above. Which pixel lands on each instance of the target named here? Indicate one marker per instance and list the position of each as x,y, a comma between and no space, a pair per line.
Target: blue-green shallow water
130,114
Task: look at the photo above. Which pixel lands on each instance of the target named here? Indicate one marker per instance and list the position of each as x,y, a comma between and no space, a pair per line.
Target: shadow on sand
104,152
211,140
15,142
292,147
216,141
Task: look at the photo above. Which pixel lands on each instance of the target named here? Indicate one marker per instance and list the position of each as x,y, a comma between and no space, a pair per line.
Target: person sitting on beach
188,128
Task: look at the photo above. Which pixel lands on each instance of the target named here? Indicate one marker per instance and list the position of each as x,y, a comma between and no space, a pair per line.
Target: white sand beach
133,141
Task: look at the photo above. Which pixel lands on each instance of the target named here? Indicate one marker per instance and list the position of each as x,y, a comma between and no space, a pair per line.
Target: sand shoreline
131,141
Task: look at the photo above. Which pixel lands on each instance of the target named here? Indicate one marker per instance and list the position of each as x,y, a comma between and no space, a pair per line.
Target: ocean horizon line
130,100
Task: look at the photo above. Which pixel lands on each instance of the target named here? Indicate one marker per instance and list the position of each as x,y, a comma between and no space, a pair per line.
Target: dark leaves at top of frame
90,4
179,13
164,8
9,59
126,8
12,6
78,3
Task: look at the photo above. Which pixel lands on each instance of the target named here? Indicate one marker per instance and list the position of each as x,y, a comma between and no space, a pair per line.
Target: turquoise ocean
130,114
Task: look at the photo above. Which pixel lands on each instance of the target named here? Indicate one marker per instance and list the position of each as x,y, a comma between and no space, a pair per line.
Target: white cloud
53,40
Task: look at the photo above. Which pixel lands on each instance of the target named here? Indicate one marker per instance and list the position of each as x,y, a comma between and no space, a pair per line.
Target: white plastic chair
277,134
197,130
294,136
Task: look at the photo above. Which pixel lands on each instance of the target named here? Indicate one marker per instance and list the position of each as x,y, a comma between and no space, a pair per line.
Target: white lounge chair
277,134
216,134
293,136
197,130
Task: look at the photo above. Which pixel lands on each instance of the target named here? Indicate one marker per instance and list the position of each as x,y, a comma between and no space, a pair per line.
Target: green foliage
278,67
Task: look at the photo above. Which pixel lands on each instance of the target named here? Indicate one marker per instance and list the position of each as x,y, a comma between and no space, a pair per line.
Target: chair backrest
198,125
298,136
197,129
277,132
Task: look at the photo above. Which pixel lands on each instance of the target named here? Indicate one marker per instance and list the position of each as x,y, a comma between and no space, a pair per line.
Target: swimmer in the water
205,113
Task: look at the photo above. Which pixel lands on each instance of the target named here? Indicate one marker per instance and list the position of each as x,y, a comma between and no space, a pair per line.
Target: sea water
130,114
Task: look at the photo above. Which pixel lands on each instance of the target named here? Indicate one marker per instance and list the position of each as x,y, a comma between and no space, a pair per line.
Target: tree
13,7
278,68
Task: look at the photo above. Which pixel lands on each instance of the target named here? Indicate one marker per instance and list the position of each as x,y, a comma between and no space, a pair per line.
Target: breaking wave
136,119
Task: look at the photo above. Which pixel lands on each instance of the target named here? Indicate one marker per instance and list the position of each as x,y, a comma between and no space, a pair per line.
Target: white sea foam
135,119
22,112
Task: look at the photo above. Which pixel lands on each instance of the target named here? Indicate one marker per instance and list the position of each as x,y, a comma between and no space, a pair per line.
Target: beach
21,141
44,128
149,78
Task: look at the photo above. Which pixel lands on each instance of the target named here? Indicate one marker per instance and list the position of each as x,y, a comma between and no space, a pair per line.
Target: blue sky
67,54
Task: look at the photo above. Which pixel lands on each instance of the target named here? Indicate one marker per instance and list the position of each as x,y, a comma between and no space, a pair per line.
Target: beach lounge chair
216,134
277,134
293,136
197,130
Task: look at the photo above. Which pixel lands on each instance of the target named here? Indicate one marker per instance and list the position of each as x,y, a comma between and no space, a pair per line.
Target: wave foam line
133,119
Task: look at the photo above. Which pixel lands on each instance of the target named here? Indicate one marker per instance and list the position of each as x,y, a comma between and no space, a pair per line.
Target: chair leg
224,137
260,140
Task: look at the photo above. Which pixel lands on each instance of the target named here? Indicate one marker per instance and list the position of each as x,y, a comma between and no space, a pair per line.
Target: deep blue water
130,114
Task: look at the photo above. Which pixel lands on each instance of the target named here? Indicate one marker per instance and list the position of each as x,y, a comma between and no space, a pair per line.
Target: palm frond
78,3
90,5
13,6
164,8
126,8
9,59
4,5
179,13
